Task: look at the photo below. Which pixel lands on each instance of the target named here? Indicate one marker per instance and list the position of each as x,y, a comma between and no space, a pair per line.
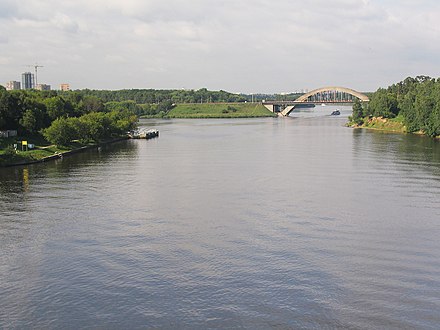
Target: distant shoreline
217,110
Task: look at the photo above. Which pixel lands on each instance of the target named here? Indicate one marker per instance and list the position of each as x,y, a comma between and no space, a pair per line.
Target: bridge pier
287,110
270,107
276,109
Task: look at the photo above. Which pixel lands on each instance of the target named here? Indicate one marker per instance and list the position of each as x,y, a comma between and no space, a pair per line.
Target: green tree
10,109
5,108
61,132
408,112
92,104
29,121
34,115
358,112
165,106
97,124
432,126
55,107
122,121
383,104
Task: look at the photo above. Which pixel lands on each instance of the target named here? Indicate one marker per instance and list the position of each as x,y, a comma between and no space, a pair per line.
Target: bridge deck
304,102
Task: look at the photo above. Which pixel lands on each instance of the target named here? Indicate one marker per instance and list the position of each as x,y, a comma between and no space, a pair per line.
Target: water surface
239,223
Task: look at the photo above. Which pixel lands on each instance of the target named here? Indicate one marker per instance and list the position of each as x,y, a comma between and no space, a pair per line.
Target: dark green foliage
416,99
63,117
420,106
60,132
154,96
165,106
57,106
91,127
358,113
7,154
91,104
383,104
10,113
131,106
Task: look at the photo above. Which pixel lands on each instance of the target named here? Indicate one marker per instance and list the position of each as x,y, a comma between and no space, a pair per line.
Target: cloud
65,23
4,60
261,45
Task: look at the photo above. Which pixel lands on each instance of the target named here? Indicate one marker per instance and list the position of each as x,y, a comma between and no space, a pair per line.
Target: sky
241,46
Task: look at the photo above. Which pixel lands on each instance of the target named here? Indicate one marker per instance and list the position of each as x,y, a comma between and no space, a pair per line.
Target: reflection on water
25,179
255,223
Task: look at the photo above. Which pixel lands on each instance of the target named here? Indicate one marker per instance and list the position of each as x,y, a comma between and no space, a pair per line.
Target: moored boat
144,134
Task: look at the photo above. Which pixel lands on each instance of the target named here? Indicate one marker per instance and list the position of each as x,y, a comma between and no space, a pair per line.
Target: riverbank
219,110
393,125
383,124
47,153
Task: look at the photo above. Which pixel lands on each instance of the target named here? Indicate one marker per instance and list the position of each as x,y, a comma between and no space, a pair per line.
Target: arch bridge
324,95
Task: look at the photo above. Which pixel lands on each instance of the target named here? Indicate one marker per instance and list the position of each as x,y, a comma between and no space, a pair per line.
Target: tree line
203,95
415,100
155,96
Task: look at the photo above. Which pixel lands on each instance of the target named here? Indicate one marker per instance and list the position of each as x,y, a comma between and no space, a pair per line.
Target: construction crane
35,66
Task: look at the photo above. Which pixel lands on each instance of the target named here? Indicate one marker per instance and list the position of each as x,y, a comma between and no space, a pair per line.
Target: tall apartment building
65,87
13,85
27,80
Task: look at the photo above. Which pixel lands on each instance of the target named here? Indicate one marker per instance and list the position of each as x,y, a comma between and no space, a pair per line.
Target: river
240,223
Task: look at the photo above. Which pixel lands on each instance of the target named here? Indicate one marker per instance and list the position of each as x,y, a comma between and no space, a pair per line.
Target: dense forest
416,101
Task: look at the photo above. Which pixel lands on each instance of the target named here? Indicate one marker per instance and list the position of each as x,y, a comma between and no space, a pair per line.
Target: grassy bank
43,150
219,110
384,124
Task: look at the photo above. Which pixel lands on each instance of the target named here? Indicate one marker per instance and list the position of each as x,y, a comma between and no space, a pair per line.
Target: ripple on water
300,223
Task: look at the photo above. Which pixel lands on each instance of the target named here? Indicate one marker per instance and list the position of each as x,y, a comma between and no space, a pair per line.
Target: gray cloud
249,46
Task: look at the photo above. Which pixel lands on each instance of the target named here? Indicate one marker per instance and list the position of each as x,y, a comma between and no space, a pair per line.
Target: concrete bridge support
270,107
287,110
276,108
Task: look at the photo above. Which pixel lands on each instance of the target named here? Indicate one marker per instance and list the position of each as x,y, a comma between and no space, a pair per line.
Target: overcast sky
235,45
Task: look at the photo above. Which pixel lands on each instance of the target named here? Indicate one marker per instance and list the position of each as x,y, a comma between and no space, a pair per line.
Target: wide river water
241,223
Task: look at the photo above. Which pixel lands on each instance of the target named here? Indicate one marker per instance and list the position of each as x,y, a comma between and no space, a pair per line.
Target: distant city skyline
28,81
259,46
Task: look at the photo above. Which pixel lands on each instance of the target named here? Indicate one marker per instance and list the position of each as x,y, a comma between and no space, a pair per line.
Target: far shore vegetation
412,106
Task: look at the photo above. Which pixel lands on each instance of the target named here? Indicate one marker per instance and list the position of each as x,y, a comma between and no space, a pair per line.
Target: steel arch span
330,90
324,95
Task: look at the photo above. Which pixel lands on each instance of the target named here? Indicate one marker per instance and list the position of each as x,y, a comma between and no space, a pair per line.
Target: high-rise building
27,80
43,87
65,87
12,85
